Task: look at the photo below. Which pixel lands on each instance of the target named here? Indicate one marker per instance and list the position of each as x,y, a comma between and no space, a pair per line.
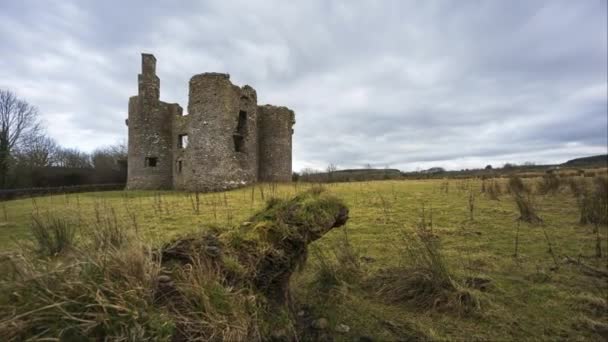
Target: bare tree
37,150
17,120
71,157
331,168
110,157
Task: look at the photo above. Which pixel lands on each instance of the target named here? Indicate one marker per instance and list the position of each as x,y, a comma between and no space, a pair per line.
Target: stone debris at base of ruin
225,141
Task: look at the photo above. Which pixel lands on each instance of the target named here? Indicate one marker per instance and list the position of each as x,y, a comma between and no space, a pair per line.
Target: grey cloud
405,83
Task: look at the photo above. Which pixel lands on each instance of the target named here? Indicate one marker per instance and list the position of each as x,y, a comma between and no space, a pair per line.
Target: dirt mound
258,257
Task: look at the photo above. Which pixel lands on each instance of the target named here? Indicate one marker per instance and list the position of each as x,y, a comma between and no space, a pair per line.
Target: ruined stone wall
150,153
231,141
181,154
275,130
212,161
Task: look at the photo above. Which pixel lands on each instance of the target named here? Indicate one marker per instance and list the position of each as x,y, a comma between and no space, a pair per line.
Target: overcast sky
408,84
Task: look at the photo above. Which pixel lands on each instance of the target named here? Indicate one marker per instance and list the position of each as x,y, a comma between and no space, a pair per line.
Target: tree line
30,158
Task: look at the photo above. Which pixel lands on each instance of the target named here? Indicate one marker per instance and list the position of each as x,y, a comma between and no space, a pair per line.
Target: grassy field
529,294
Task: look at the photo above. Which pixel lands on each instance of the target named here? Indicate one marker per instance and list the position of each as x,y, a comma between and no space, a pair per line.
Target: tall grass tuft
107,232
423,277
593,206
516,185
52,235
548,184
493,190
471,205
527,208
208,309
593,202
339,266
577,186
102,296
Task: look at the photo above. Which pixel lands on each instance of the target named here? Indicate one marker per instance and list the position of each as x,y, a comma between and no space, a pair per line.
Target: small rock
320,324
342,328
163,278
301,313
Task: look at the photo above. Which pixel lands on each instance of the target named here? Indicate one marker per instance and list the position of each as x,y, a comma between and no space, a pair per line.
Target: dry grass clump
593,202
516,185
593,305
106,232
424,279
526,207
206,307
106,296
524,199
494,190
340,265
597,308
548,184
52,235
593,206
577,186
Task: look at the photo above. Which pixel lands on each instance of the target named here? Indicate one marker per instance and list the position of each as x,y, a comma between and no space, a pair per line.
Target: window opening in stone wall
151,161
179,166
182,141
241,130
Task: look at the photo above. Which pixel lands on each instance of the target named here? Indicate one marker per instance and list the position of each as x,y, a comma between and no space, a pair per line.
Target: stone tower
275,131
225,141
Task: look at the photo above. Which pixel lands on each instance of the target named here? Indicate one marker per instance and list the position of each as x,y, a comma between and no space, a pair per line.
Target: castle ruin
225,141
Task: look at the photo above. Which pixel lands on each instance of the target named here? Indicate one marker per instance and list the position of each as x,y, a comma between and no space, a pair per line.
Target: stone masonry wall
149,133
212,162
275,130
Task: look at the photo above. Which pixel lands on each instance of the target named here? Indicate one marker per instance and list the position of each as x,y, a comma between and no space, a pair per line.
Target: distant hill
352,175
601,159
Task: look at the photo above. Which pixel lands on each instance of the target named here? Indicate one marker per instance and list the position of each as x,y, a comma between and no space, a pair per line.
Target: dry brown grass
423,278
